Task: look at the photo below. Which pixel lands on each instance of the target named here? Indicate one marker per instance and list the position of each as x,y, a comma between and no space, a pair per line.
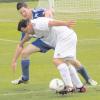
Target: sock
75,78
25,69
65,74
83,73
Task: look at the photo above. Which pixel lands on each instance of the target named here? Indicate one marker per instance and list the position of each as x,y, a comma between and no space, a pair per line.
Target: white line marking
89,39
8,20
29,92
37,91
81,40
8,40
93,86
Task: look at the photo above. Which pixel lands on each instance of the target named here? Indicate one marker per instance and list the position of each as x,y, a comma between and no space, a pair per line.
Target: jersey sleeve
42,23
39,12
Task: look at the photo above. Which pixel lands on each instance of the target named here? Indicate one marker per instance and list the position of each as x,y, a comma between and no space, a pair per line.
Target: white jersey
57,36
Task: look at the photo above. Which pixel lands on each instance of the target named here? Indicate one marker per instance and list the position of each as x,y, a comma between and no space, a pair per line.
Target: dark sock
83,73
25,69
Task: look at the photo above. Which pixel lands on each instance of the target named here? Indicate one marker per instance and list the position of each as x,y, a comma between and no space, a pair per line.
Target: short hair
22,24
20,5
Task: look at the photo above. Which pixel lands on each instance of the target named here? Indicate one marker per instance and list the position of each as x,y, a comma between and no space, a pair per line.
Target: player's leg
25,63
76,80
74,76
64,72
81,69
61,51
70,51
36,46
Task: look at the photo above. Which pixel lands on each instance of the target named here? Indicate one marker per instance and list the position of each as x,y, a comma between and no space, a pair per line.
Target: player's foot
92,82
81,90
66,91
19,81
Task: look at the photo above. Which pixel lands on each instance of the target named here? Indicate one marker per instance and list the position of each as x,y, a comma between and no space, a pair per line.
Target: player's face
25,12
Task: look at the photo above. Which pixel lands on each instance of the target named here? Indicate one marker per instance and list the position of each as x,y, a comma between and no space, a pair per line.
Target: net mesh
77,9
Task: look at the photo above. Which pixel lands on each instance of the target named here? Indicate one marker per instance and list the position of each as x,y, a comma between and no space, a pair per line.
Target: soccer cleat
66,91
92,82
81,90
19,81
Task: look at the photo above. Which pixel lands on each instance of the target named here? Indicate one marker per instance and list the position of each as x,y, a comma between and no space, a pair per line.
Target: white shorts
66,47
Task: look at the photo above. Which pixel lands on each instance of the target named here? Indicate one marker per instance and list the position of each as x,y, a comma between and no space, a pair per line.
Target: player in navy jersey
39,45
28,13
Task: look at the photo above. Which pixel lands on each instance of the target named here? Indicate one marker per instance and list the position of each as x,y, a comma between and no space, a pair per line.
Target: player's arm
69,23
18,51
49,13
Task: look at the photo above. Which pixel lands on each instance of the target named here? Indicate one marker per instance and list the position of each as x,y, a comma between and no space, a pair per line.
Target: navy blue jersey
36,13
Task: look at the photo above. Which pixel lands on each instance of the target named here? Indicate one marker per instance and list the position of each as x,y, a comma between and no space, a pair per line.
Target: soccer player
59,37
26,12
39,45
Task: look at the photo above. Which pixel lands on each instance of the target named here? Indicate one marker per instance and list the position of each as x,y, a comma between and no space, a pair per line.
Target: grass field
42,69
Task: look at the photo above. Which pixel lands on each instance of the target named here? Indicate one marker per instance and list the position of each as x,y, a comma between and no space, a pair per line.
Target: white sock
65,74
74,76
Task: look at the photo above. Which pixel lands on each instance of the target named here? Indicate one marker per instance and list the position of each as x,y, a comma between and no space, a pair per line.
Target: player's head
25,26
20,5
23,9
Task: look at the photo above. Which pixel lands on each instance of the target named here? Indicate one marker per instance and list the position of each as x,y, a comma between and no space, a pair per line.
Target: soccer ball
56,85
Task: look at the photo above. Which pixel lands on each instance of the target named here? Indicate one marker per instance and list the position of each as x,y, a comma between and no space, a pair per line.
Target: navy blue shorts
43,46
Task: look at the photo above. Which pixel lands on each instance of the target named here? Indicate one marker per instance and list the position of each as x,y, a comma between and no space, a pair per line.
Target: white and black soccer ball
56,85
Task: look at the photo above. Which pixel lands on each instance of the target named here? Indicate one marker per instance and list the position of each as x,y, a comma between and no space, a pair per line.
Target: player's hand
13,65
71,23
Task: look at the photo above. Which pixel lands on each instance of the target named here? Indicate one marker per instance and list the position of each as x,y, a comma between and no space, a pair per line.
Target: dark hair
20,5
22,24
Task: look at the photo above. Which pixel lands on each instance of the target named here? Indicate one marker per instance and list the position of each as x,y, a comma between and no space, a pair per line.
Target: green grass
42,69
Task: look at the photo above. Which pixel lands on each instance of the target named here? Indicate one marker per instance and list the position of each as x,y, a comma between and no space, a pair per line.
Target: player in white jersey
26,12
62,39
54,34
39,45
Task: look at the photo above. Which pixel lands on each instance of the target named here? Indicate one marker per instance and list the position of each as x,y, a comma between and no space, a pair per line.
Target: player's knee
24,54
77,63
57,61
74,62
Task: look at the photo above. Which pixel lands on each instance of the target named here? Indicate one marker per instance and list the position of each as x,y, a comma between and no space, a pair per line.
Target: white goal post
74,8
51,3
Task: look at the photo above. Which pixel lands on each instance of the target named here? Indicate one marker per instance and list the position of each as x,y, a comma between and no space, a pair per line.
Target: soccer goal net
77,9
